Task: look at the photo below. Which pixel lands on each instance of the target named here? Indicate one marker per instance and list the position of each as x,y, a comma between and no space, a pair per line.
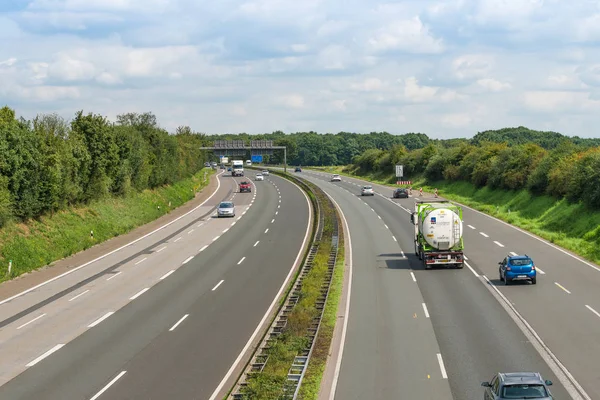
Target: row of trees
569,169
47,164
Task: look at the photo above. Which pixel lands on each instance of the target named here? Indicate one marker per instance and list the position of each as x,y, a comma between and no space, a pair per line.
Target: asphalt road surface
438,334
163,318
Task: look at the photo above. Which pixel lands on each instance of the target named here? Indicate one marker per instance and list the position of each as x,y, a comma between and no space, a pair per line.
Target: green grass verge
38,243
569,225
311,383
271,383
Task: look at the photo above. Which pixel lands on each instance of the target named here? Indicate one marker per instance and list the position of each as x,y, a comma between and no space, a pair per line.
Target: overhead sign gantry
257,149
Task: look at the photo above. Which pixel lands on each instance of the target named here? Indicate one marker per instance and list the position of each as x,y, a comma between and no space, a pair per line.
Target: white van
248,163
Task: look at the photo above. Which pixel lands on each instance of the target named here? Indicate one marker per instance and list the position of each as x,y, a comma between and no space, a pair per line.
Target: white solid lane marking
178,322
79,295
203,248
512,253
244,213
217,285
483,234
117,274
233,223
225,230
540,271
562,287
105,388
242,260
471,226
466,258
216,237
472,270
499,244
442,368
141,261
138,294
33,320
190,231
161,249
256,244
266,230
177,240
102,318
394,237
167,274
386,227
273,220
592,310
379,216
187,260
46,354
240,217
414,278
425,310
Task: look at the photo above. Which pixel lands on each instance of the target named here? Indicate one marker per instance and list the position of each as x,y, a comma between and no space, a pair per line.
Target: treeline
311,148
569,169
47,163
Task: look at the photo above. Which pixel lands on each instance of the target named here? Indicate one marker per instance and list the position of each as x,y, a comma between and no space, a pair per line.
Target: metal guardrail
299,366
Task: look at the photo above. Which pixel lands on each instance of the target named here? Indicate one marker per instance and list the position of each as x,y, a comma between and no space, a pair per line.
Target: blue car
517,268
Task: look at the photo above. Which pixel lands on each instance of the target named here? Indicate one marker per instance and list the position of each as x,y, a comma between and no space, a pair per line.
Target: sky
448,68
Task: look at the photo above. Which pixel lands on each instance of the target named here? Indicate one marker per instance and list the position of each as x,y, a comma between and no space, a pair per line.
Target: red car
245,187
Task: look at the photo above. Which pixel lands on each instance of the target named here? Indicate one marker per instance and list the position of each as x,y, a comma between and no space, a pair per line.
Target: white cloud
434,66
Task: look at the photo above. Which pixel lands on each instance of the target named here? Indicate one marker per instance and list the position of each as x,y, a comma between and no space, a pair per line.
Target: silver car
226,209
265,172
517,385
367,191
336,178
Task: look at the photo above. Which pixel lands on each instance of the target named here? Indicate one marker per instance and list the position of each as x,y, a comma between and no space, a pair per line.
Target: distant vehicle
207,164
222,166
260,177
238,168
367,191
517,268
245,187
438,233
226,209
265,172
229,169
400,193
248,163
298,169
517,385
336,178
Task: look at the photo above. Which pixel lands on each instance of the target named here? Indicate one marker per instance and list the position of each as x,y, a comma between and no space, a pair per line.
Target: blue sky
444,68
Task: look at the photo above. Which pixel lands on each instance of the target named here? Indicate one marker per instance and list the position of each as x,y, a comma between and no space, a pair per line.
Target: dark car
298,169
400,193
517,385
517,268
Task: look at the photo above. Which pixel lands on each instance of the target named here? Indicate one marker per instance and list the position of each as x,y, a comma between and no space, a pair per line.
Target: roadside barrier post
9,267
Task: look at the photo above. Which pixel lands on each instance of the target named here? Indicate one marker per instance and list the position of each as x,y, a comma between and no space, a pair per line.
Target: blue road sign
256,159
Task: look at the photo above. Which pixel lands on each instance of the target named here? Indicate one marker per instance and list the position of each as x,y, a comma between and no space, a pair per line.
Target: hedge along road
475,335
187,316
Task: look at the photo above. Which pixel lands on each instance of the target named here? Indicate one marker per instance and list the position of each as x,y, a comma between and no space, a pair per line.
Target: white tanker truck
438,233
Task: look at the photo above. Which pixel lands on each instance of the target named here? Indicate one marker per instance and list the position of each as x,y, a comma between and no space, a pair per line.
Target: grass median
38,243
272,382
569,225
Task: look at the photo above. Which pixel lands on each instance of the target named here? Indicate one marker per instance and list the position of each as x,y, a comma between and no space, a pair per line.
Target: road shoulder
31,279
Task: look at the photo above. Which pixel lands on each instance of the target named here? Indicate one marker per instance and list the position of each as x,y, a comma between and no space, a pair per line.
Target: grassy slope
570,226
35,244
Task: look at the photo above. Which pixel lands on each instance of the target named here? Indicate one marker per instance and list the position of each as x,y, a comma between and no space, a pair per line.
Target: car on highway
517,268
265,172
336,178
367,190
260,177
400,193
226,209
245,187
229,169
298,169
517,385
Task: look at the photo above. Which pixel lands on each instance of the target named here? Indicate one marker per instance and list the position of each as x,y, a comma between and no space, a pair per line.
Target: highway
165,317
438,334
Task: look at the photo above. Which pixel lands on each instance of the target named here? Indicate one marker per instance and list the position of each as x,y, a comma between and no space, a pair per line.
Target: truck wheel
533,281
460,266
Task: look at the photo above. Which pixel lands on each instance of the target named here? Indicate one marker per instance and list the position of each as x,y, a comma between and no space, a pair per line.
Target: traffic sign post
399,171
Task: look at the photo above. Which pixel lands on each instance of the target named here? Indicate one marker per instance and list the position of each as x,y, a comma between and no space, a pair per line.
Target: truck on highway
237,168
438,233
